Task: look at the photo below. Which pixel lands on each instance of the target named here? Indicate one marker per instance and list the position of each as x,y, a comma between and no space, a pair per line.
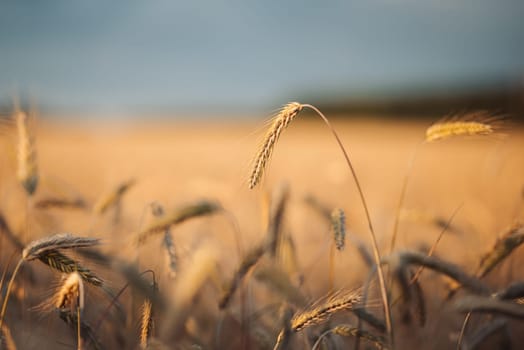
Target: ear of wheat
59,241
475,123
147,325
27,170
70,304
163,223
338,225
343,300
280,122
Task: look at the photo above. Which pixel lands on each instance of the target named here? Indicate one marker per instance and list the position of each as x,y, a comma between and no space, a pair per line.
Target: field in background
179,163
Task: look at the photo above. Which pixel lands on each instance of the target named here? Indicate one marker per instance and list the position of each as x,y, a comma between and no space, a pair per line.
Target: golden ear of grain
65,264
343,300
146,327
338,225
68,294
463,127
27,171
280,122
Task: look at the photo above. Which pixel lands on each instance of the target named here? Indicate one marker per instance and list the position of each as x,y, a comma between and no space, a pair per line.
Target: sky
120,56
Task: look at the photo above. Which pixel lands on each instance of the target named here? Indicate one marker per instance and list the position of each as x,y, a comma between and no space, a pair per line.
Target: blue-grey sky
120,55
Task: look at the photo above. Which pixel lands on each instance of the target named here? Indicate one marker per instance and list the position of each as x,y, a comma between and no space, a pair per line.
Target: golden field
175,164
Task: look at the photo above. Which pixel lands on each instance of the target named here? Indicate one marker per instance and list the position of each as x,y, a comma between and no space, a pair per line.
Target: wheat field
170,249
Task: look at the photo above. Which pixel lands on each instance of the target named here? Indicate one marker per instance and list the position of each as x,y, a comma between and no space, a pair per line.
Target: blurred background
227,57
145,104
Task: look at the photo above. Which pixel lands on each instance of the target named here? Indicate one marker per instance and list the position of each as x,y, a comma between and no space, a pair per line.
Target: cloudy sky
120,55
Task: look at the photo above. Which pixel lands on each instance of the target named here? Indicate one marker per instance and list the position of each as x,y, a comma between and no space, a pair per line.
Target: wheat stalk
284,335
286,115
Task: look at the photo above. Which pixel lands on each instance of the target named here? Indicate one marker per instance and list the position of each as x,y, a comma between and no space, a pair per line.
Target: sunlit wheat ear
475,123
69,301
280,122
69,295
147,324
338,225
343,300
112,198
27,170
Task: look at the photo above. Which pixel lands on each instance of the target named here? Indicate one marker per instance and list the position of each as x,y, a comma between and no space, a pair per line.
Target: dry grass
207,297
